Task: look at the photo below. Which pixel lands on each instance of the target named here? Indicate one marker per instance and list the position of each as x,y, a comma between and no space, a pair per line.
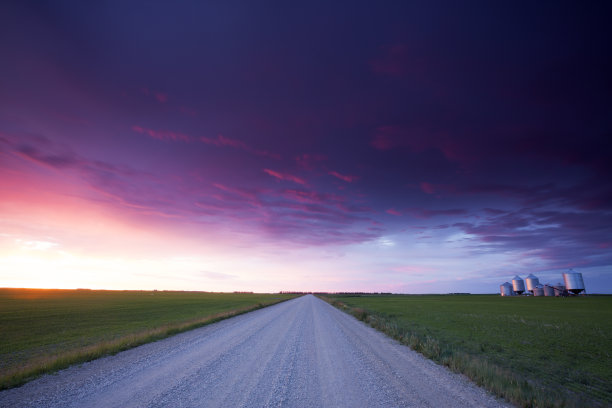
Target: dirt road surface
299,353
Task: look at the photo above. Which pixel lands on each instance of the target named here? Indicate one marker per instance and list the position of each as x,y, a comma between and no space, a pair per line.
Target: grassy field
46,330
534,351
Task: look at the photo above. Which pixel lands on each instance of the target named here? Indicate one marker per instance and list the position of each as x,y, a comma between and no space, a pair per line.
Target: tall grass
497,366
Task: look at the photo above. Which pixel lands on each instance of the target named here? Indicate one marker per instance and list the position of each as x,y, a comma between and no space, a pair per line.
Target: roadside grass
42,331
532,351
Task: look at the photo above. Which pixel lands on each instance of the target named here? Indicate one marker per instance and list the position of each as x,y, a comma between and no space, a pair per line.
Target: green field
45,330
534,351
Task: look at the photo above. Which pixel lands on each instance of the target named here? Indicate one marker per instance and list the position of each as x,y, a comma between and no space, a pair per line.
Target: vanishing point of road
299,353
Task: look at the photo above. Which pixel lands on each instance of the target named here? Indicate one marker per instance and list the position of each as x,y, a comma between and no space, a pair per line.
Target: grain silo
518,285
549,290
531,282
538,290
573,281
505,289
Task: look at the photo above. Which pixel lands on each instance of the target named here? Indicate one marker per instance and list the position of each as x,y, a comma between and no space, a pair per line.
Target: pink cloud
427,187
188,111
421,138
309,161
221,140
285,176
226,141
415,138
162,134
384,139
347,178
312,196
238,192
161,97
296,216
426,214
303,196
393,211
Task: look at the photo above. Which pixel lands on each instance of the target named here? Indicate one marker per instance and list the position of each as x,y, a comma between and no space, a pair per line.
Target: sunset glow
396,148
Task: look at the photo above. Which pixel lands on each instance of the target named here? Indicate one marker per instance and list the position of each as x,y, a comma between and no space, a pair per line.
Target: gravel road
299,353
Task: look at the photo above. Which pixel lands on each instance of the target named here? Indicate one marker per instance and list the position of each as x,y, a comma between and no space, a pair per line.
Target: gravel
299,353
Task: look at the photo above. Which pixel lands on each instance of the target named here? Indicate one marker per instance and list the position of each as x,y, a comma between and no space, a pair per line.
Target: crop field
534,351
45,330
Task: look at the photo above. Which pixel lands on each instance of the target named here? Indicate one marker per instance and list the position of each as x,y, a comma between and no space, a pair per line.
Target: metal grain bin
538,290
505,289
560,289
531,282
549,290
518,285
573,281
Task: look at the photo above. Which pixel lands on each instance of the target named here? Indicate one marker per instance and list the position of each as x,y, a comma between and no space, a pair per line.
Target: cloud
310,161
58,161
185,110
216,275
343,177
427,187
305,196
284,176
240,193
162,134
424,137
36,245
424,213
161,97
393,211
221,140
295,216
559,239
119,185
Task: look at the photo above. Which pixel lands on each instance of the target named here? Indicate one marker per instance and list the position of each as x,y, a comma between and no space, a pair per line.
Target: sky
406,147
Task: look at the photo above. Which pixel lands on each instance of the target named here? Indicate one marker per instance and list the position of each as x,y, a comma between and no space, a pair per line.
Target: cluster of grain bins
573,284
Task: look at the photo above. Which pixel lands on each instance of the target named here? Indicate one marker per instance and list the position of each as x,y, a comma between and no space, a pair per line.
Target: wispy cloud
393,211
162,134
560,239
221,140
309,161
427,187
424,213
343,177
284,176
160,97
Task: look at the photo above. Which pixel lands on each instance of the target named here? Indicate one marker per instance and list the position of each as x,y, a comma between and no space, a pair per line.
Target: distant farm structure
572,285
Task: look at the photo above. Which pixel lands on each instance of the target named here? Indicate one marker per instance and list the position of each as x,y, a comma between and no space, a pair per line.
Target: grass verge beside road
532,351
42,330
